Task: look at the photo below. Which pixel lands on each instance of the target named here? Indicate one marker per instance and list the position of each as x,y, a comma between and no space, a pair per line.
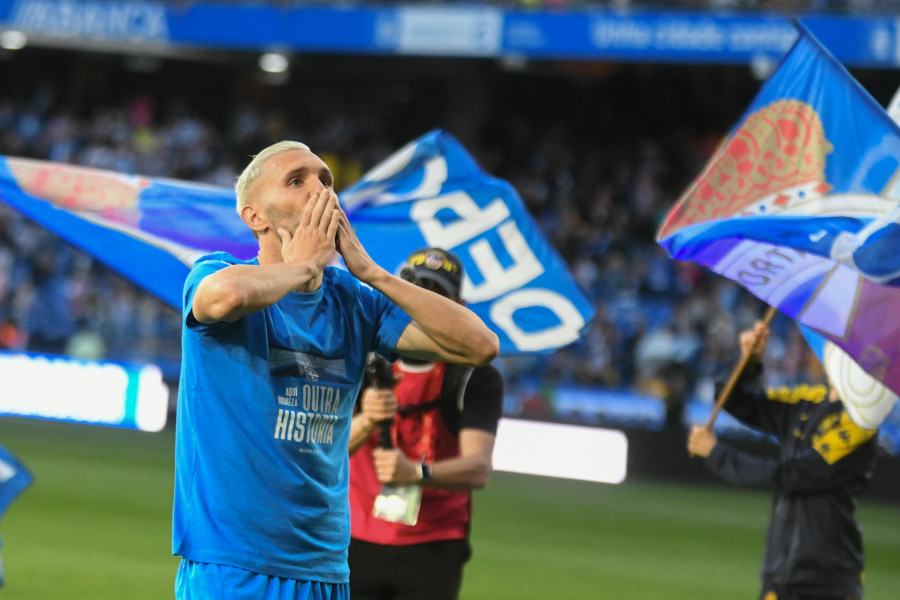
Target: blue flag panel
431,193
800,205
14,479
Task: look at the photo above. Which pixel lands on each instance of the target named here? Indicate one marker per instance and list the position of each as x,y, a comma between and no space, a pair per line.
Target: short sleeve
388,321
204,267
483,400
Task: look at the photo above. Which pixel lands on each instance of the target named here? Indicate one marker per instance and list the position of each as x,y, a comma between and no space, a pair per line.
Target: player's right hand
313,239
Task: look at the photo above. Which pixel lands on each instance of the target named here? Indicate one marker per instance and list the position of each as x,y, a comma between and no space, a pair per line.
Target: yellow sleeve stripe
837,436
786,395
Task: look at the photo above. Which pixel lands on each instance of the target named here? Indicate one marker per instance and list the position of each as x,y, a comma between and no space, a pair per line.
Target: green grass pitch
96,525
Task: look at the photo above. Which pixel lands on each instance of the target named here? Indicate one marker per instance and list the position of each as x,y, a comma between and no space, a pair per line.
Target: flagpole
735,375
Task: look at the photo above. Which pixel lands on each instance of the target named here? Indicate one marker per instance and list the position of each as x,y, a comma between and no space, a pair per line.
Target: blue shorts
202,581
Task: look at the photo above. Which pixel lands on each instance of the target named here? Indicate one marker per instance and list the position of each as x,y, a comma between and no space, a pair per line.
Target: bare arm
240,290
470,470
442,330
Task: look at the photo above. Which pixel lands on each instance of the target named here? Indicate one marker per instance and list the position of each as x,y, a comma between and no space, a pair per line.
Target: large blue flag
430,193
800,205
149,230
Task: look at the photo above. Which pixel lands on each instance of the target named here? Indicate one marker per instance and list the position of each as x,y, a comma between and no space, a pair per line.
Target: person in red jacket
440,422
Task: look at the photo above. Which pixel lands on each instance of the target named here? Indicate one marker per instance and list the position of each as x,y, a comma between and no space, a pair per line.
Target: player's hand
358,261
701,441
753,341
392,466
314,238
378,405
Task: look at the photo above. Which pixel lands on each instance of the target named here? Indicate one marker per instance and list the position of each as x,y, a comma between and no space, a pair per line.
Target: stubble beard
281,219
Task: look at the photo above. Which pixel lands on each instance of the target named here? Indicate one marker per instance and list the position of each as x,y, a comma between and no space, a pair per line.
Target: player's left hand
392,466
358,261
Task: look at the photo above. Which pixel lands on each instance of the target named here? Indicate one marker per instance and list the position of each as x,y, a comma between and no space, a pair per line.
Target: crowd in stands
597,191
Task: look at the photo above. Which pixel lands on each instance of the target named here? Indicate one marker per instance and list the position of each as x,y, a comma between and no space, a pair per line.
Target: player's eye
294,181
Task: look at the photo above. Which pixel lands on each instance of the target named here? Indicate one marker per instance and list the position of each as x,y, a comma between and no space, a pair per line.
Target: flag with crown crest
799,205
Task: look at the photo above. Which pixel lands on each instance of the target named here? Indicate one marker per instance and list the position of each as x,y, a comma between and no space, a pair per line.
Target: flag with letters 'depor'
800,205
431,193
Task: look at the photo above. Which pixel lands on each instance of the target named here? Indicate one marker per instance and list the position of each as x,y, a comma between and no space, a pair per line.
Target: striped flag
800,206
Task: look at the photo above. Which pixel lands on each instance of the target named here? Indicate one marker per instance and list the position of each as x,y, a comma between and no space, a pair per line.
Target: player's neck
269,251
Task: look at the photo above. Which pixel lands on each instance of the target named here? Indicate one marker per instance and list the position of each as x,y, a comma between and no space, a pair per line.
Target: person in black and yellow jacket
814,544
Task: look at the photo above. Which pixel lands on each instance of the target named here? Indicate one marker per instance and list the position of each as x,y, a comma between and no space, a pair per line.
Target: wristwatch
423,472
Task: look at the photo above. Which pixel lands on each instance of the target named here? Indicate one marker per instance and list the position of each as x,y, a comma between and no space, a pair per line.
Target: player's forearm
464,473
240,290
361,428
461,335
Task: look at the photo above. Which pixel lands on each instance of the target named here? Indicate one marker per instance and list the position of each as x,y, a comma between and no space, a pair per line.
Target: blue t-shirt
264,410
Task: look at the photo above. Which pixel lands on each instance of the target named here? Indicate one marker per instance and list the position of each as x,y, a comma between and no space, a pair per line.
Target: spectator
814,544
441,421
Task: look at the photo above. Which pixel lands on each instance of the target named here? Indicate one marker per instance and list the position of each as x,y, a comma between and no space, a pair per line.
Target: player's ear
254,218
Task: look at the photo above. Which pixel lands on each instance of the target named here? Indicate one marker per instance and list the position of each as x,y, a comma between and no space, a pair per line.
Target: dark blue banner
455,30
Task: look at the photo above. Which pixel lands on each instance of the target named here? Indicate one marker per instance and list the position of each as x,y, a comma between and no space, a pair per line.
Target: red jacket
421,432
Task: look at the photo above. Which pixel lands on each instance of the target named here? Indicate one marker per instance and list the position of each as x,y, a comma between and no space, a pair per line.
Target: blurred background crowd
596,177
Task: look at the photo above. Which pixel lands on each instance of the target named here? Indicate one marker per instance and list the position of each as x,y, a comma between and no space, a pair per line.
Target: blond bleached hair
252,171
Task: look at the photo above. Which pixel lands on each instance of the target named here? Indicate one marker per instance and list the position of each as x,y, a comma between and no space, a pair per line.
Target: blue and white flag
149,230
801,205
14,479
431,193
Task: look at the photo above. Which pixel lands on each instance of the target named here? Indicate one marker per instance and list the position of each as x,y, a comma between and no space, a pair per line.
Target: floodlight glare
273,62
13,40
